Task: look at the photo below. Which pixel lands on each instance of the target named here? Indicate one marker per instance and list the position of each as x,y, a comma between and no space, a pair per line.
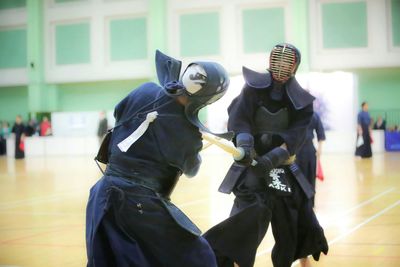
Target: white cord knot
125,144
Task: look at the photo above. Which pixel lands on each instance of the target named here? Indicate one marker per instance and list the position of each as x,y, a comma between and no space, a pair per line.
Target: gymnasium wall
94,52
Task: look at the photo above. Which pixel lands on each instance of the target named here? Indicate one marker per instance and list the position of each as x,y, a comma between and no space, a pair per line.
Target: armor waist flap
268,122
161,181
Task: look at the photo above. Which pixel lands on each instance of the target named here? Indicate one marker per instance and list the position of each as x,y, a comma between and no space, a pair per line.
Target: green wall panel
380,87
199,34
94,95
72,43
128,39
396,22
13,101
6,4
344,25
262,29
13,48
66,1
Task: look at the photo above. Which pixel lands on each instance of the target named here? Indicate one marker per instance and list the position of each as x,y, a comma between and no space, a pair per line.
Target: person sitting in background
380,124
31,128
45,127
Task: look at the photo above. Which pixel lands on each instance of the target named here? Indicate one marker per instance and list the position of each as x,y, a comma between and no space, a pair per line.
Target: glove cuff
244,140
275,157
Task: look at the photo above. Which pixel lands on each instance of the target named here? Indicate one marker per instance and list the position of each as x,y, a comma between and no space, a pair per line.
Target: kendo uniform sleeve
192,162
241,112
319,128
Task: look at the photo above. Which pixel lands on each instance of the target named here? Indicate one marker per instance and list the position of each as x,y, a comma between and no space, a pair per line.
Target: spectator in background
363,147
31,128
380,124
45,127
4,134
103,126
308,156
19,130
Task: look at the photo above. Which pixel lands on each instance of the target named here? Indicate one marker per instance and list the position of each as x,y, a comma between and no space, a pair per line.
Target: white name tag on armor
278,181
125,144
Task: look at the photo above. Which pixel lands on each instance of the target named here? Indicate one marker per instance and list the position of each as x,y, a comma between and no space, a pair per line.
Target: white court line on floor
358,226
362,204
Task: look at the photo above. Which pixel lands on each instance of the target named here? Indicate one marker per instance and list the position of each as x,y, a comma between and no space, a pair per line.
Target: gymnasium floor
42,208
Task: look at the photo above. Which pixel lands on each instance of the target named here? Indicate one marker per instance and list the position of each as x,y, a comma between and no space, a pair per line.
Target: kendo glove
273,158
245,142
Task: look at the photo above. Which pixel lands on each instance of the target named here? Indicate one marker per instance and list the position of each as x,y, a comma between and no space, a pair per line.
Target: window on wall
7,4
262,29
128,39
72,43
199,34
67,1
13,48
344,25
395,14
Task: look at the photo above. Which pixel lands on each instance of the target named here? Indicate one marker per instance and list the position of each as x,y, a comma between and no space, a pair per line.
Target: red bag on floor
320,173
22,145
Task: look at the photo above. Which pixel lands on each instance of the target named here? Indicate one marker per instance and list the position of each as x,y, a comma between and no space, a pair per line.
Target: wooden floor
42,208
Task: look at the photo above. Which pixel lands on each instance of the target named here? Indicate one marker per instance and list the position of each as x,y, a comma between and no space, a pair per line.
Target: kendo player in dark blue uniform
130,220
307,156
269,119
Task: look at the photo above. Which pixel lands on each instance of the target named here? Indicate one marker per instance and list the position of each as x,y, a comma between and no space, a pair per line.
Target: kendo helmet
202,83
284,61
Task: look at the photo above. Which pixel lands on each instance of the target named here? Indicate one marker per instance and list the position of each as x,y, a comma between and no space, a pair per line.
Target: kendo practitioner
130,220
307,156
19,130
269,119
363,149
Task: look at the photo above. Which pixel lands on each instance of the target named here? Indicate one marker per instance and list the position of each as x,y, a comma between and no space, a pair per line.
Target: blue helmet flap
168,69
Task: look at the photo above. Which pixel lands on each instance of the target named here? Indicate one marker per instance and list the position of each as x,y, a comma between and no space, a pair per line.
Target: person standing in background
19,131
363,147
308,156
103,126
4,134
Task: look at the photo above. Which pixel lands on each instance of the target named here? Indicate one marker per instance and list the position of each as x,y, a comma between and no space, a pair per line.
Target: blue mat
392,141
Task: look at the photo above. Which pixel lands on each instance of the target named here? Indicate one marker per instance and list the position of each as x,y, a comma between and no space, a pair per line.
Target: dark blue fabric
130,224
306,158
364,120
171,140
316,127
238,237
243,108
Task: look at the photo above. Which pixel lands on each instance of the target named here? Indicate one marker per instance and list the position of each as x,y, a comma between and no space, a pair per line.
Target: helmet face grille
194,78
282,63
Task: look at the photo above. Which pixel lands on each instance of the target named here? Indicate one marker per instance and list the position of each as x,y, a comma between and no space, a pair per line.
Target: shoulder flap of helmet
256,79
299,97
168,68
